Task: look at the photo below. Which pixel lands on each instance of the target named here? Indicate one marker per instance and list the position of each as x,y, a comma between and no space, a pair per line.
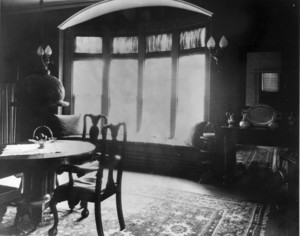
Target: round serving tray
261,115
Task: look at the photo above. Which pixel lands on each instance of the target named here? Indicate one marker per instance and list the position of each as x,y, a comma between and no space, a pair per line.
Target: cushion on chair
88,167
86,182
83,188
65,125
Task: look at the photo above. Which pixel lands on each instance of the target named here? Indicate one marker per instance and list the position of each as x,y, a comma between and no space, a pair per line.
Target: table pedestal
38,188
39,170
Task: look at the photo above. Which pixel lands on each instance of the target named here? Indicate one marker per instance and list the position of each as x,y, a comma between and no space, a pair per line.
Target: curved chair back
94,129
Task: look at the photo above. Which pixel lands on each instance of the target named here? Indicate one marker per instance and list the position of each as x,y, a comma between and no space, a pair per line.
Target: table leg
38,187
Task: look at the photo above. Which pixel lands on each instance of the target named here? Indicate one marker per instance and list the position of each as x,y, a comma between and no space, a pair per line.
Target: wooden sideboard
229,137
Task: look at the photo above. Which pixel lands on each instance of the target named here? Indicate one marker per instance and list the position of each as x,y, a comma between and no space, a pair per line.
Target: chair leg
98,218
119,209
21,211
53,231
72,203
85,212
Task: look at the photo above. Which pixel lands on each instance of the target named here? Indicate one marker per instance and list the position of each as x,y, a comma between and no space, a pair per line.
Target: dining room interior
209,92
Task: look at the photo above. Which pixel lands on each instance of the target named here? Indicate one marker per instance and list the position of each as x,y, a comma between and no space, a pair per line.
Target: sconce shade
216,52
223,42
211,43
40,88
40,51
48,51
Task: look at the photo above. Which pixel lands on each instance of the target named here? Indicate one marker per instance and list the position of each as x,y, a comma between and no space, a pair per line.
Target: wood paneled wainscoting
163,159
7,113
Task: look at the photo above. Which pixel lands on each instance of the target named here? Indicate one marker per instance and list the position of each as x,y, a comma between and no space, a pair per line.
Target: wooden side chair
90,132
88,186
94,129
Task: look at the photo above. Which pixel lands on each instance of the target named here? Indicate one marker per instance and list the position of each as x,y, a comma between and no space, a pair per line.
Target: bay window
155,82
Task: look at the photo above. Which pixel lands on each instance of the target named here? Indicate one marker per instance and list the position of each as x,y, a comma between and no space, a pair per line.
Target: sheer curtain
123,93
191,91
87,87
156,101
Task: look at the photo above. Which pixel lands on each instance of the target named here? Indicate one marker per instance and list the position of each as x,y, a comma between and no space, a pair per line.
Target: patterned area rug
152,210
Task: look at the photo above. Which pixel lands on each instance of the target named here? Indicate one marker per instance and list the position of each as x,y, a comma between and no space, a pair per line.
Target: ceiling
20,6
150,14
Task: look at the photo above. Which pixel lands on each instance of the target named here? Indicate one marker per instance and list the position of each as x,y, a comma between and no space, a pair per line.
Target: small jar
244,122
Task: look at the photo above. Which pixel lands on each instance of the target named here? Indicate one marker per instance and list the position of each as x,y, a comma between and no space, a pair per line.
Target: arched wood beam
108,6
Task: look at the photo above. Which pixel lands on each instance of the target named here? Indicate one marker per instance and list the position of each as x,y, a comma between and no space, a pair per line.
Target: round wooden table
39,166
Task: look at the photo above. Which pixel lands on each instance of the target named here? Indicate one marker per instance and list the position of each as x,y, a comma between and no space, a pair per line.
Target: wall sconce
215,52
44,55
40,88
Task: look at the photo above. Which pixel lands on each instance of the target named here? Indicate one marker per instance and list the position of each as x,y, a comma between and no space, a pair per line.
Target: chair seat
86,182
83,188
89,166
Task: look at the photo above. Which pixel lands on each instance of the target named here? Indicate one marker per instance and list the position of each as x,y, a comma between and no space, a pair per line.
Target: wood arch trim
108,6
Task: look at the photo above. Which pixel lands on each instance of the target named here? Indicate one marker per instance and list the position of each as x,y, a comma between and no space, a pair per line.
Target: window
90,45
87,89
190,100
159,43
156,101
263,79
153,82
270,82
123,93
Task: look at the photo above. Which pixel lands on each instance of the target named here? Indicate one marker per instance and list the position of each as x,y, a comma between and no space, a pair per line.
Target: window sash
123,45
88,44
159,43
192,39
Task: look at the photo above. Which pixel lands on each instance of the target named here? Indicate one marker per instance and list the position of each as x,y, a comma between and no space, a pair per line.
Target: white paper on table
26,149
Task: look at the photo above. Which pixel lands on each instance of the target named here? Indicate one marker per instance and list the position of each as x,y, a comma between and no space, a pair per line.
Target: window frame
68,55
